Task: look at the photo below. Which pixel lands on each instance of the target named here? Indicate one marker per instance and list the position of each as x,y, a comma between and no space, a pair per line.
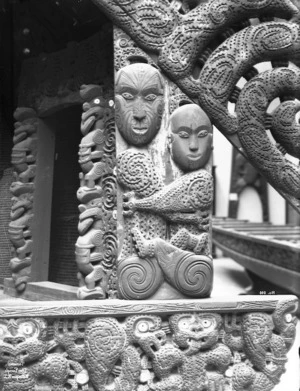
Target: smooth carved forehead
190,116
139,76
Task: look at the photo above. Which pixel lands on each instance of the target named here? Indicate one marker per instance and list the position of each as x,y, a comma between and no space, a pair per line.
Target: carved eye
202,133
184,324
97,101
206,323
183,134
127,96
143,327
151,97
27,328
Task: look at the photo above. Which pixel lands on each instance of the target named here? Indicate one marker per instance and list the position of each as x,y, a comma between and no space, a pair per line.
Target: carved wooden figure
165,226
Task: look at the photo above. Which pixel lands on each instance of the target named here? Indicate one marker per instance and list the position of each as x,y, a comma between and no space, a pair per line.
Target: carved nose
139,112
194,146
196,327
14,340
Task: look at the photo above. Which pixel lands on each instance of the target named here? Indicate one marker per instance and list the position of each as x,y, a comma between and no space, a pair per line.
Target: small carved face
195,332
147,332
191,138
139,103
22,339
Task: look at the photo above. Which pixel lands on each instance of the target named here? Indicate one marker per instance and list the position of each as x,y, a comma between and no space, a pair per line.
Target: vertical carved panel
165,185
96,246
24,155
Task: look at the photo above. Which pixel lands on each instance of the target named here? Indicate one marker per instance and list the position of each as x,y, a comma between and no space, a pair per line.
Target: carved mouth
140,131
194,157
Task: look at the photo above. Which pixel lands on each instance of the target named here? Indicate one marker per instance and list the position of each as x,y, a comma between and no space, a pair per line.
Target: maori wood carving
208,48
165,242
24,155
178,351
96,246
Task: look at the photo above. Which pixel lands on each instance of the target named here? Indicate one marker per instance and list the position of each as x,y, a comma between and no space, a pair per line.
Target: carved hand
129,206
71,338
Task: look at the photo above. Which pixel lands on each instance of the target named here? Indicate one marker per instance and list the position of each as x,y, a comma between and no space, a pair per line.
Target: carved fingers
129,206
70,335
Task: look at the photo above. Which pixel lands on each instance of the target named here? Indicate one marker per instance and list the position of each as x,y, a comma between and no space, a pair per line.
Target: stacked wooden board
270,251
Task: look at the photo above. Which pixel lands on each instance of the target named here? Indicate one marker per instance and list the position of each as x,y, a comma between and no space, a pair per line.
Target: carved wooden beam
157,345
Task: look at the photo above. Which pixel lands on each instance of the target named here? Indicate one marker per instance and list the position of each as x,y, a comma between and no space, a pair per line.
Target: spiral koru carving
138,279
136,172
193,275
251,110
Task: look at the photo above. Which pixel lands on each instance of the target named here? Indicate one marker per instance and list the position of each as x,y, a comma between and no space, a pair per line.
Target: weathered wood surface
123,308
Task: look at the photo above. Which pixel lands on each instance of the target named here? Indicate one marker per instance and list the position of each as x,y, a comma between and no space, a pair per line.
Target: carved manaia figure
205,358
25,351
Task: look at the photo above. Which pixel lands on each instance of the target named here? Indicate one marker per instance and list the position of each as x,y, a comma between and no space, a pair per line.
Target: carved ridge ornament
100,346
216,40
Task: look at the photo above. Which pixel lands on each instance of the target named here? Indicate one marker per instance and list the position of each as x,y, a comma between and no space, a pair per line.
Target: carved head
146,330
191,137
196,331
139,103
22,339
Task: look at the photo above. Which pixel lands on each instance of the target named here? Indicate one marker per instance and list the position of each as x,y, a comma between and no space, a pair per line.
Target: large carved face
196,332
139,103
191,137
22,339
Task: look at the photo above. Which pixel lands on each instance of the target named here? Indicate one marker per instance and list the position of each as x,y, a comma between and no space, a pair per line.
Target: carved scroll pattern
96,246
24,154
207,50
195,351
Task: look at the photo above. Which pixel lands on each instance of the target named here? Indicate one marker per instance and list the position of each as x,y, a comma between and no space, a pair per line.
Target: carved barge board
272,252
197,345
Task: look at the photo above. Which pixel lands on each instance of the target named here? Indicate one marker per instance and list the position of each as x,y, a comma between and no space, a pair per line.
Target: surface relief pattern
182,351
24,160
207,48
165,217
96,247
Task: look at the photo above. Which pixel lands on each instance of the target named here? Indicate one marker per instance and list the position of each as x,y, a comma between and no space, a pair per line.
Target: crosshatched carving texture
24,155
183,351
96,246
208,48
